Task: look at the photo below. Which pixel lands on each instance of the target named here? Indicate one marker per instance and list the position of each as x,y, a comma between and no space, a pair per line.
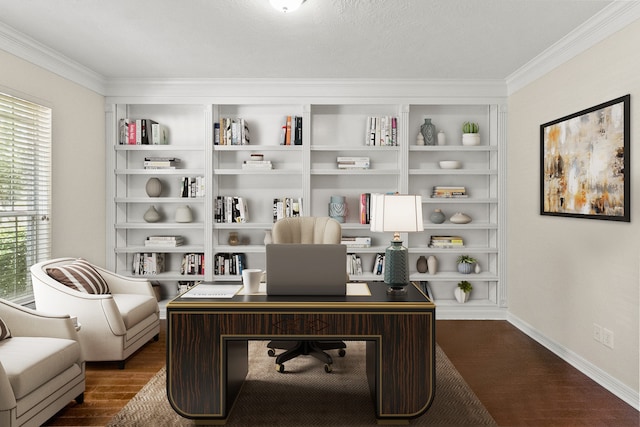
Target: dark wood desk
207,346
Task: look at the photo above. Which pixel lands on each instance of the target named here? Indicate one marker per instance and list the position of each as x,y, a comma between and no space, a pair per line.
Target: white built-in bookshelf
309,172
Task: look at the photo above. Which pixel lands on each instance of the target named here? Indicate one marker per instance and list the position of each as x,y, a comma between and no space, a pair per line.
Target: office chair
307,230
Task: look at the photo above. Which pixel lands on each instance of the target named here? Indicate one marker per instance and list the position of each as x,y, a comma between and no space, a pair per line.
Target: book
353,162
159,134
356,242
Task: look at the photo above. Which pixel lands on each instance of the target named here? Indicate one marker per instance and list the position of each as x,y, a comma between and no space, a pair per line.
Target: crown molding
611,19
35,52
318,90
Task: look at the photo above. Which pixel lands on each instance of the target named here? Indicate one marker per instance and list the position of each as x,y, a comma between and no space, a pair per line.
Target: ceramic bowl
450,164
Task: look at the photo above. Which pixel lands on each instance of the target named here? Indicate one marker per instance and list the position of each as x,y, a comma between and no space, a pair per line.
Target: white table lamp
397,213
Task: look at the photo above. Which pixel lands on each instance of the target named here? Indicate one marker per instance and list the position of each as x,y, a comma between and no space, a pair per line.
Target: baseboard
454,312
621,390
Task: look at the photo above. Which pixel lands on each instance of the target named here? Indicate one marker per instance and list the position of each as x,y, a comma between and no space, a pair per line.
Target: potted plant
466,264
462,291
470,135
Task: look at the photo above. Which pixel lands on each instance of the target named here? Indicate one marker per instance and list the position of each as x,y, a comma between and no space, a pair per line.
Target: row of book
164,241
291,131
192,264
382,131
446,242
286,207
448,191
226,263
231,131
425,287
142,132
353,162
192,186
354,264
148,263
378,264
230,209
161,163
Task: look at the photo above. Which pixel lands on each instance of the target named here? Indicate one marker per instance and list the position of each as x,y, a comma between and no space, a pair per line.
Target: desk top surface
414,299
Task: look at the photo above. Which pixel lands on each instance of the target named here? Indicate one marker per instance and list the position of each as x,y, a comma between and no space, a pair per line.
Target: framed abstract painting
584,163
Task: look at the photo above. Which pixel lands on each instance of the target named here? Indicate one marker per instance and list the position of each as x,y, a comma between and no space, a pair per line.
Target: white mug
251,280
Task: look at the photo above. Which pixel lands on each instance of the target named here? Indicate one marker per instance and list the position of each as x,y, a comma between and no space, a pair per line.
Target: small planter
461,296
470,139
466,268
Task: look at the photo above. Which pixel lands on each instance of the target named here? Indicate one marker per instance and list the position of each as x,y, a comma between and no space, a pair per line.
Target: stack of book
291,131
192,186
231,131
382,131
257,164
192,264
446,242
161,162
229,263
164,241
356,242
285,207
445,191
148,263
354,264
230,209
353,163
142,132
378,265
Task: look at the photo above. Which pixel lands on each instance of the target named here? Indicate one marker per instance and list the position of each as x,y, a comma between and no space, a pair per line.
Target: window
25,193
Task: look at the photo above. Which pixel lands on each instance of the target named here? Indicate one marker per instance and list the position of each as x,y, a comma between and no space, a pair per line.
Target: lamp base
396,290
396,269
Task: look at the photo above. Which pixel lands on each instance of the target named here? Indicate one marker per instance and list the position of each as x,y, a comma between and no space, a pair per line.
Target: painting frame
585,163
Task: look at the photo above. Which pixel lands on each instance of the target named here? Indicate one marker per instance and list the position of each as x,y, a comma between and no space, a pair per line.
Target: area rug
304,395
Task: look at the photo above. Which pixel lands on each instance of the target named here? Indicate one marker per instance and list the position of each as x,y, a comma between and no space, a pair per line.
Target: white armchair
113,325
41,366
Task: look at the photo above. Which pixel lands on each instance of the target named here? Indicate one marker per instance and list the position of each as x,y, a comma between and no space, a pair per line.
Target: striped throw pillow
81,276
4,331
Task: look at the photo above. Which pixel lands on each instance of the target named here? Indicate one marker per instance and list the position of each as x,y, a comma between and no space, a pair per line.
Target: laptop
306,269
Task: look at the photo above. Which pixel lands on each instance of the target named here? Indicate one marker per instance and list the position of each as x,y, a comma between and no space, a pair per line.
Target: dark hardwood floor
520,382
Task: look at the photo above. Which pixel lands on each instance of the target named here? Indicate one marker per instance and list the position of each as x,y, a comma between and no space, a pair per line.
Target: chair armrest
126,285
7,397
25,322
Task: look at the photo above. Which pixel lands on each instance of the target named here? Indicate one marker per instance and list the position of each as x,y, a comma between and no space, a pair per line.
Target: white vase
442,139
184,214
267,237
432,264
461,296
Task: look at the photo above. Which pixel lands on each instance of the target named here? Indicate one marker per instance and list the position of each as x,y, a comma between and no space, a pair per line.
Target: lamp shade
398,213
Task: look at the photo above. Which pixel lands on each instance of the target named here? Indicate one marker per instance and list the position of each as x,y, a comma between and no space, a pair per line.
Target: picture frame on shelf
585,163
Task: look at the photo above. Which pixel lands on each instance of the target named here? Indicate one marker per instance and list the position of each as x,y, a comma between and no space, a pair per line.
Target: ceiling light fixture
286,5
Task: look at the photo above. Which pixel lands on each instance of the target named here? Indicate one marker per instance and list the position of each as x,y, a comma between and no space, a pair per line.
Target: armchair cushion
81,276
46,359
4,330
135,308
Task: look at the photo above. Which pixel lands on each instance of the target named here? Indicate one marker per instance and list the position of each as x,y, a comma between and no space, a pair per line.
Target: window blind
25,193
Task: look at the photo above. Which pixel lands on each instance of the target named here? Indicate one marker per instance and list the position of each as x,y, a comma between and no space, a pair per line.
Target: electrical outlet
607,337
597,332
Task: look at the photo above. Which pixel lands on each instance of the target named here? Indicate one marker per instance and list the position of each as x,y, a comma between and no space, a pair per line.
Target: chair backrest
307,229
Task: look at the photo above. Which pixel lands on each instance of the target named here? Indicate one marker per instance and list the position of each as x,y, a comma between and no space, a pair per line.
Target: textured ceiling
421,39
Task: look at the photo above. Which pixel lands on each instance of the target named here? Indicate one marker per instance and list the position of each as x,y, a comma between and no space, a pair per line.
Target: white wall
566,274
78,211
